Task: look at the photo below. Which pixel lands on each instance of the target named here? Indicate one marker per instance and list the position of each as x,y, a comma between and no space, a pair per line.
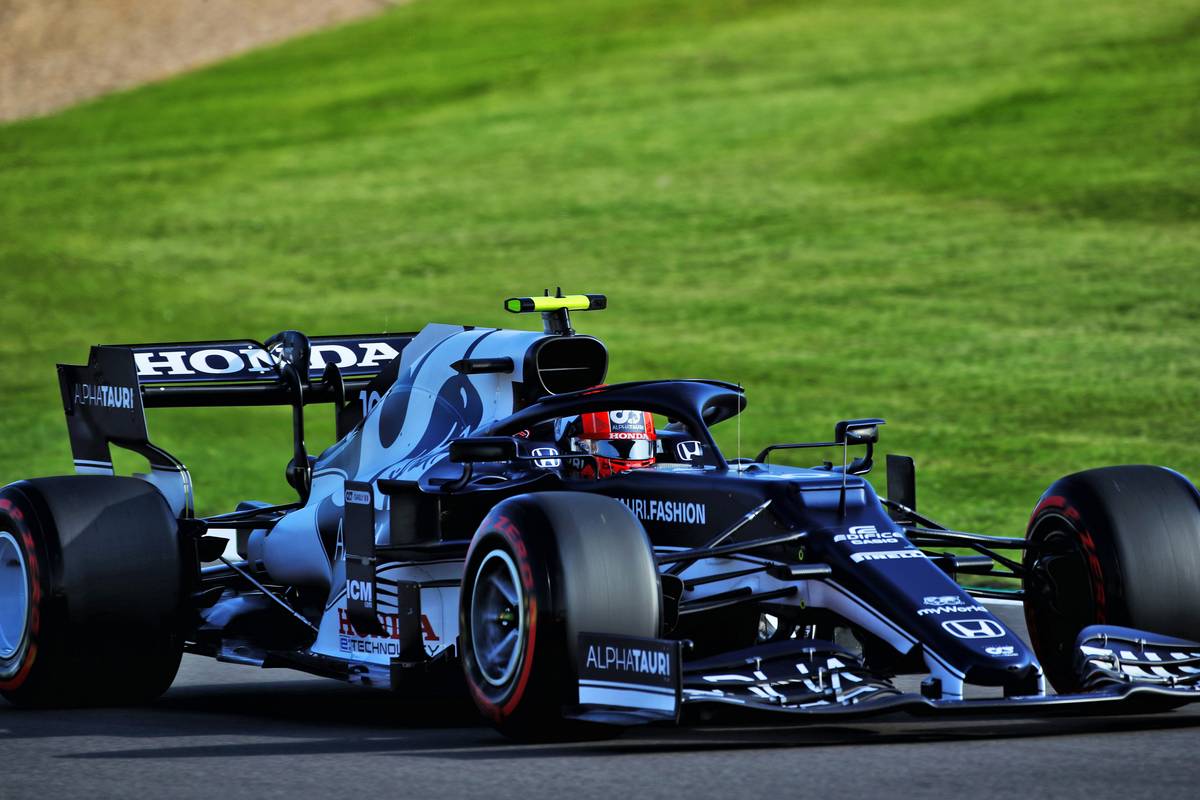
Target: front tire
91,579
542,568
1117,546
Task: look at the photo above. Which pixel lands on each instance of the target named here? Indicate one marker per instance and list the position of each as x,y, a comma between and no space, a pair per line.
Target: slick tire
1116,546
541,569
91,579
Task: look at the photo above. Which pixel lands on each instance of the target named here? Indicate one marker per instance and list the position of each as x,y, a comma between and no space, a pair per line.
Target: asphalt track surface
226,731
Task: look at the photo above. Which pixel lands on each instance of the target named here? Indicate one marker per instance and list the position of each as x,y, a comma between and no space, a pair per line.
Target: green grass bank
979,221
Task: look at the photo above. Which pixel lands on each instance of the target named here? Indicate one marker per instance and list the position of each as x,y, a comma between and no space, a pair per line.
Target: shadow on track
311,718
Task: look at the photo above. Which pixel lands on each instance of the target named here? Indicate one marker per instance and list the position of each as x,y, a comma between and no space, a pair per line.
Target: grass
979,221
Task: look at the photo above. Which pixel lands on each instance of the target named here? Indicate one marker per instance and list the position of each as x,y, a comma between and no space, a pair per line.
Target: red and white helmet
618,441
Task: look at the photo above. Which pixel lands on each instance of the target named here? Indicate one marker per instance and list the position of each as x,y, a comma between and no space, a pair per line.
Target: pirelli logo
886,555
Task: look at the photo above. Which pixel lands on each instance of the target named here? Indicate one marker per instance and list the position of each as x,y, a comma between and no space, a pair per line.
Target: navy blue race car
577,557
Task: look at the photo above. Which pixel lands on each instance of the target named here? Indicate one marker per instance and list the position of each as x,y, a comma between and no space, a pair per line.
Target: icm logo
689,451
547,458
974,628
359,590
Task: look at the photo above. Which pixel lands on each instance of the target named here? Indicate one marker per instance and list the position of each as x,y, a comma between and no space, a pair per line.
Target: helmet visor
625,449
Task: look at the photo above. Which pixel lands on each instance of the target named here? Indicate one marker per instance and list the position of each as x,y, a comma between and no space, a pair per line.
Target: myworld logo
940,610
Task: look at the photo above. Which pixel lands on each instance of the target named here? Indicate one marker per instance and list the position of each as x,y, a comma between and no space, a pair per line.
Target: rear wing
244,360
227,369
105,400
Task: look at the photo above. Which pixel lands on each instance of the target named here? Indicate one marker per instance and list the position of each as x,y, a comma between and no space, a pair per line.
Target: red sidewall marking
506,528
1095,568
35,595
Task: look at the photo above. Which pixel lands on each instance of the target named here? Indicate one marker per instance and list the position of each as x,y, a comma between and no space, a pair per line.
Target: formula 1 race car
578,557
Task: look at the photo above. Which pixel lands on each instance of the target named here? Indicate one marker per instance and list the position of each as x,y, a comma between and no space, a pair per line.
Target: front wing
1121,671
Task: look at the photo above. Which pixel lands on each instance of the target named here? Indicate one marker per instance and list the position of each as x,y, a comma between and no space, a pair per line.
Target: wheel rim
1063,575
1058,600
497,618
14,595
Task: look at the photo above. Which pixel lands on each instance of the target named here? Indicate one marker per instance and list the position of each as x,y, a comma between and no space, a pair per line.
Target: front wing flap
1122,671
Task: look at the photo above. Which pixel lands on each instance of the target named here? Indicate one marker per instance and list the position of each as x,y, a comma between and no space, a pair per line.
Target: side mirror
857,431
483,448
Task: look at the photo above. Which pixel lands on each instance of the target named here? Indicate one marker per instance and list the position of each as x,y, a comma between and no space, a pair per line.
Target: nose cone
1018,672
986,651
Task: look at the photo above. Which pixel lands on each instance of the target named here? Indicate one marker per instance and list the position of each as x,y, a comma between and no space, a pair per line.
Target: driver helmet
618,441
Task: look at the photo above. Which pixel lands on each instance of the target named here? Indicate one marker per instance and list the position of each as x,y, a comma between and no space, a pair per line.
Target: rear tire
541,569
1116,546
91,579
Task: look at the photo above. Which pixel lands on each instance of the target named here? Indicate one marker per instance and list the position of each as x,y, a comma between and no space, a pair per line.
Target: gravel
54,53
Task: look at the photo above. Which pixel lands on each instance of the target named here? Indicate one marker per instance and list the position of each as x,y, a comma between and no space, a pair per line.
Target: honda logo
546,458
689,450
974,628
